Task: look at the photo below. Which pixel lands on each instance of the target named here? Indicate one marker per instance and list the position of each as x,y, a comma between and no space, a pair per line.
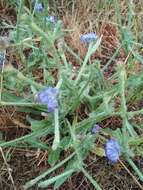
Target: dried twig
134,178
8,169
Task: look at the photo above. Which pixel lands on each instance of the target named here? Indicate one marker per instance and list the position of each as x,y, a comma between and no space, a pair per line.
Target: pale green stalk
52,180
57,131
43,175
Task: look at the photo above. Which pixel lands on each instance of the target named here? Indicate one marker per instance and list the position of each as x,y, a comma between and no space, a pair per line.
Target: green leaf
36,134
131,129
91,49
37,125
59,182
37,143
52,180
10,97
65,142
54,156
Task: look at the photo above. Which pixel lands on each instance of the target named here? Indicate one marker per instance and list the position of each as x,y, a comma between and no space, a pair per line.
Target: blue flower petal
96,128
89,37
49,97
52,104
39,7
51,19
112,150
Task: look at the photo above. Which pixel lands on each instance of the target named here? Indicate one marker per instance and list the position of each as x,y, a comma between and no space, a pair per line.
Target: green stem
24,138
122,76
112,58
59,83
57,131
138,172
45,183
92,48
2,103
34,181
134,113
75,145
73,53
1,82
94,183
18,20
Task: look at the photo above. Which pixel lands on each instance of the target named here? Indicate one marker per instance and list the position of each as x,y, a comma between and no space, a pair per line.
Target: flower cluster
96,128
39,7
89,37
49,96
51,19
112,150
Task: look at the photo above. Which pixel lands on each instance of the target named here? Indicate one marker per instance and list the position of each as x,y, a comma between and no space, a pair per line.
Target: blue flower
96,128
49,97
112,150
51,19
89,37
39,7
2,59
